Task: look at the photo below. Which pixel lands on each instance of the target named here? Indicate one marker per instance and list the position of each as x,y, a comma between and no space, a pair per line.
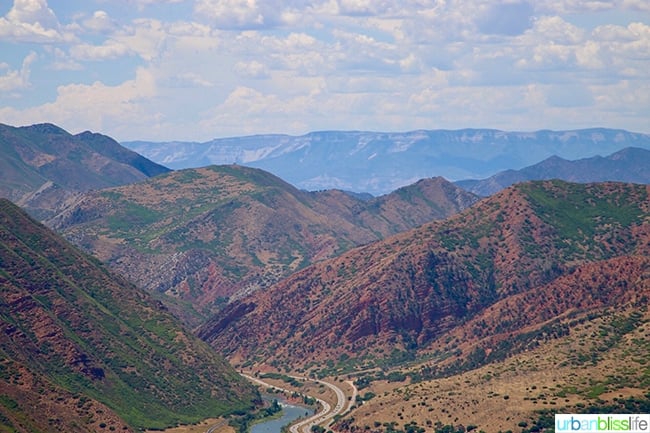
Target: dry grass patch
499,396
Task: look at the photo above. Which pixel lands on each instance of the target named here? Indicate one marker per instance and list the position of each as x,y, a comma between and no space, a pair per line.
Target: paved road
326,413
216,426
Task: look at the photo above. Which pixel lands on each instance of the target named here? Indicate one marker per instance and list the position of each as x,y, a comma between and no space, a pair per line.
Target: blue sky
196,70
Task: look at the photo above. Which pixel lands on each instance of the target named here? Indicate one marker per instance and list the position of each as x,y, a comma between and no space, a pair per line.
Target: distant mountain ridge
82,350
42,166
631,164
380,162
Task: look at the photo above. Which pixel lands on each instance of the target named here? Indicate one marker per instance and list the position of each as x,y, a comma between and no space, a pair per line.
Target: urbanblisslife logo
600,423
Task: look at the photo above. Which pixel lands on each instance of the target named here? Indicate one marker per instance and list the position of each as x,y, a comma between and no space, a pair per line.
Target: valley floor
603,360
590,367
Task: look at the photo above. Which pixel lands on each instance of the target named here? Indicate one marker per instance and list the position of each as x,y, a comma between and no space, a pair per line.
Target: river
289,414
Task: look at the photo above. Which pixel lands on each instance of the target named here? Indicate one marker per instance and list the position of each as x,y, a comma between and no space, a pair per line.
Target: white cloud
253,69
231,14
360,52
553,29
620,98
100,22
17,79
62,61
613,33
248,66
626,49
356,7
576,6
32,11
638,5
190,79
109,50
145,37
32,21
96,106
589,55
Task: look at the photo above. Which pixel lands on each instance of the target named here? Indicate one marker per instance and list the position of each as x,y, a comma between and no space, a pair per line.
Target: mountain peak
626,165
44,168
46,128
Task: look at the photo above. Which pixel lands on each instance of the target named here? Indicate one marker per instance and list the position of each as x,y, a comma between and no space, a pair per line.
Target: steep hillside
43,166
380,162
401,294
81,350
627,165
207,234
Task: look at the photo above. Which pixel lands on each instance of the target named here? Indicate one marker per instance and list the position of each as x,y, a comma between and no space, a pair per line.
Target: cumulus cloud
356,7
248,65
96,106
576,6
142,37
232,14
32,21
100,22
638,5
556,30
17,79
109,50
252,69
190,79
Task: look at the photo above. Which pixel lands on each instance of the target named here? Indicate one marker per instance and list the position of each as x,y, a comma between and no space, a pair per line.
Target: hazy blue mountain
631,165
380,162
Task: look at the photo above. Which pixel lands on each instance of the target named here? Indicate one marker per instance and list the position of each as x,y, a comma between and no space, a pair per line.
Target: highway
326,414
218,425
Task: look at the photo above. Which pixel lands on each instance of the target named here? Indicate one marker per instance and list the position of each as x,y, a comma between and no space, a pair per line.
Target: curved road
216,426
326,413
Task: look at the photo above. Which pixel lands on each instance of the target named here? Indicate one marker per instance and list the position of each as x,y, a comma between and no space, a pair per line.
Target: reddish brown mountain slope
405,292
224,231
83,350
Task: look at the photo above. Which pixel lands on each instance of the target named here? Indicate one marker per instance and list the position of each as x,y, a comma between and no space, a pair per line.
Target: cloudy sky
201,69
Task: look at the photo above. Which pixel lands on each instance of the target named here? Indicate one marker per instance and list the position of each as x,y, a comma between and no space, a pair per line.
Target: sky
165,70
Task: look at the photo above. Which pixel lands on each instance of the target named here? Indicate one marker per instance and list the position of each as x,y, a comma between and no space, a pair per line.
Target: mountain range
83,350
473,313
549,247
208,235
627,165
380,162
43,166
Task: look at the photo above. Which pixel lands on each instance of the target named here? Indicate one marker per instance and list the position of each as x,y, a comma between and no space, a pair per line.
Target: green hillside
76,331
204,235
